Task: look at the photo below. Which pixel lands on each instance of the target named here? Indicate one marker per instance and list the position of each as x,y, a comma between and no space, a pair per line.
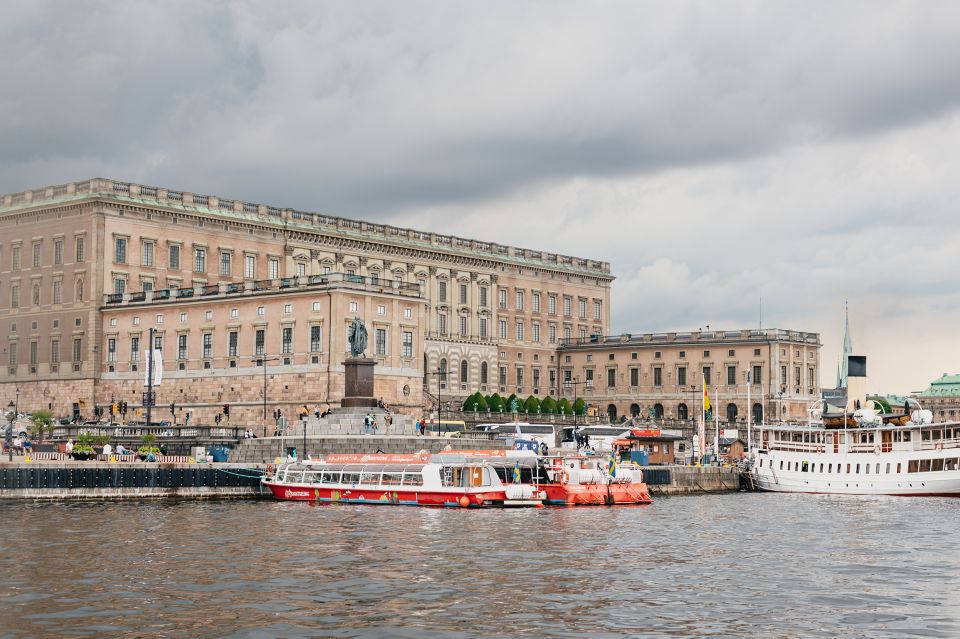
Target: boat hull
380,497
596,494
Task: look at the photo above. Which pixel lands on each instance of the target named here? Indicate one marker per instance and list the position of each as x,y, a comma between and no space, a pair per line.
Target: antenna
761,312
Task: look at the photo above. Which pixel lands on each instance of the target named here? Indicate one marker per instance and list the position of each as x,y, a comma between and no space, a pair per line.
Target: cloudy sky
714,152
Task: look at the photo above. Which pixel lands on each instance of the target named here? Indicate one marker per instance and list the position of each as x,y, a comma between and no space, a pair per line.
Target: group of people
249,434
21,445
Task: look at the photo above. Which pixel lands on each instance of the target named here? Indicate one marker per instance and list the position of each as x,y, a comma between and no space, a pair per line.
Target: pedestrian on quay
367,424
68,448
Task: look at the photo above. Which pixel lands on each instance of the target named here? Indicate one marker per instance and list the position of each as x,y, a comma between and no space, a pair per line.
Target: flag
516,473
612,466
706,399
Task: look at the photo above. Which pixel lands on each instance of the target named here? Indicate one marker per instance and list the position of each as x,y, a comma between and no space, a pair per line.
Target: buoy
464,501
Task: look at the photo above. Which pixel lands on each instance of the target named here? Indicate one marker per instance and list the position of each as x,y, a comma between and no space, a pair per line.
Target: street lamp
263,359
441,374
12,414
780,406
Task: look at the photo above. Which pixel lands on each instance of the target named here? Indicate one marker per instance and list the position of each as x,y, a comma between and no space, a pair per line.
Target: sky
716,153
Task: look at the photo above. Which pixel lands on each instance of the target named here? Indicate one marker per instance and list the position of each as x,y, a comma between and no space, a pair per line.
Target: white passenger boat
872,458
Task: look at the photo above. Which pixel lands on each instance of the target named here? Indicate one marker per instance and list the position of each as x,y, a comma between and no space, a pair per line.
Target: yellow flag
706,400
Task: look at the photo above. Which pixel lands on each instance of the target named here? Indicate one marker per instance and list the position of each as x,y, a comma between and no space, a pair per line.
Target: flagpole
749,416
716,434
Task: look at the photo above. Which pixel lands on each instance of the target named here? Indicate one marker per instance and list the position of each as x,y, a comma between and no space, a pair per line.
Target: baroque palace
246,297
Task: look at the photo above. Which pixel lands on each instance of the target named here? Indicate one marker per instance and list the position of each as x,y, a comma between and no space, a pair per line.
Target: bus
599,438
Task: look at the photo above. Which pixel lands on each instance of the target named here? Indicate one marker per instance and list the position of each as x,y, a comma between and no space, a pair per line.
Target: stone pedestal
358,383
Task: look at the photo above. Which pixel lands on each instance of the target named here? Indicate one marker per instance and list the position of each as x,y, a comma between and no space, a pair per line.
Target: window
757,374
503,329
158,342
519,330
483,296
146,253
274,268
463,326
36,257
353,307
519,376
12,361
552,304
597,310
582,332
810,376
120,250
302,270
588,377
483,327
208,316
442,321
207,345
78,296
536,332
15,258
731,353
658,376
783,375
502,293
463,293
443,290
315,339
656,354
706,376
567,333
261,310
200,260
58,251
287,309
174,256
731,375
183,318
286,339
503,375
567,306
249,266
612,377
182,346
259,340
233,340
58,292
159,319
536,302
407,313
119,285
381,309
519,300
552,333
634,376
78,249
226,263
77,349
756,352
407,344
381,341
582,308
796,375
146,285
55,351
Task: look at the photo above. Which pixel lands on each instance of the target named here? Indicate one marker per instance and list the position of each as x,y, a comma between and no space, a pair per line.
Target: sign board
729,433
645,432
157,366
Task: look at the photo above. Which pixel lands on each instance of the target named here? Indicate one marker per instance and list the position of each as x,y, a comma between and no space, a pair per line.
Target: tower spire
847,345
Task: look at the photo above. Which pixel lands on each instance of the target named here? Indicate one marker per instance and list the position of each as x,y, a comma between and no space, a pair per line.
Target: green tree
531,405
548,406
580,406
496,403
475,402
41,422
564,406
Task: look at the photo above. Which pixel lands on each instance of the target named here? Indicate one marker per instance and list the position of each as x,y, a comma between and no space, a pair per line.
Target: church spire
847,346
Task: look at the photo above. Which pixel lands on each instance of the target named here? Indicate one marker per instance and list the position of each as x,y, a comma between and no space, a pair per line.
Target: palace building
244,297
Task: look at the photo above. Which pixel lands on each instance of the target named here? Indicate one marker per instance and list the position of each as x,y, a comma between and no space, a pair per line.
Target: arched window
463,371
443,367
731,413
682,412
79,293
658,411
634,410
612,412
483,372
758,413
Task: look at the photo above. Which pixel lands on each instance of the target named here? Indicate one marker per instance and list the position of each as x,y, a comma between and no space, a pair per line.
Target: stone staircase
349,421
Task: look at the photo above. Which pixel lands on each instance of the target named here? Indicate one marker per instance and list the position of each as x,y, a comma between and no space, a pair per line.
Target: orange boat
581,480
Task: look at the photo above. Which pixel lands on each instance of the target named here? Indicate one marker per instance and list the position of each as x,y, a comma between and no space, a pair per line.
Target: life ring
876,449
425,457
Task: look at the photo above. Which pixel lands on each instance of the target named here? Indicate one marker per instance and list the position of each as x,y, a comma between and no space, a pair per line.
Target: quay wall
691,480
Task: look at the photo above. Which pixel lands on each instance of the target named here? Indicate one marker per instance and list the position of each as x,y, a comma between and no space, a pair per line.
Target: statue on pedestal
357,337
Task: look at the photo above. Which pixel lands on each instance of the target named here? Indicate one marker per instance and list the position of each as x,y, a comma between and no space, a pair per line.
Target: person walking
367,424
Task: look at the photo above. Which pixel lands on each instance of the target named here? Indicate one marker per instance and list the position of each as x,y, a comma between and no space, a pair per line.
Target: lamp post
780,406
441,374
263,359
8,441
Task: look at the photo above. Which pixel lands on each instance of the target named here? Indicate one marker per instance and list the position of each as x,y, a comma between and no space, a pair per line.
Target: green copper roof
946,385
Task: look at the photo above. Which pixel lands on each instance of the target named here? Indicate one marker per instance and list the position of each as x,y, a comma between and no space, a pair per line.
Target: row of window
56,293
913,466
520,297
357,479
34,348
147,258
79,251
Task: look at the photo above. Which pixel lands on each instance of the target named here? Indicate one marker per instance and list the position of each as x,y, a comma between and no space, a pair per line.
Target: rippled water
760,565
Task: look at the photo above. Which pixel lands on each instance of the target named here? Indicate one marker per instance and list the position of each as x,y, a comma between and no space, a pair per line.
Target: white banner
729,433
157,366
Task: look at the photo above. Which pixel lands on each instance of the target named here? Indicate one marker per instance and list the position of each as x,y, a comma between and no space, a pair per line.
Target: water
759,565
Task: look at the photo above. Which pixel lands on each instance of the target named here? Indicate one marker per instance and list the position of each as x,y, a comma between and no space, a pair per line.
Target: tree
532,405
580,406
42,421
496,403
475,402
564,406
548,406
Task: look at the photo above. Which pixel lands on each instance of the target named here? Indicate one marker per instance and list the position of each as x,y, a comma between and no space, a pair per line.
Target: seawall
691,480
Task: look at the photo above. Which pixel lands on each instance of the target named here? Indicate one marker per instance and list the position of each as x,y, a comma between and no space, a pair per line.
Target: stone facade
942,397
87,268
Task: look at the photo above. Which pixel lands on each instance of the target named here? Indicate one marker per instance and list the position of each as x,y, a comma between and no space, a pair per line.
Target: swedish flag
516,473
612,466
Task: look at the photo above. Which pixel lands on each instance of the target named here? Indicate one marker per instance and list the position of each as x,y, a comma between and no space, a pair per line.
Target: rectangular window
503,298
55,351
519,331
783,375
12,361
182,346
174,257
146,251
567,306
706,376
381,344
15,258
274,268
249,266
519,300
77,349
682,375
463,326
119,285
552,333
612,377
57,292
582,308
552,304
536,332
757,374
483,327
146,285
120,250
78,249
259,341
519,376
503,329
407,344
658,376
463,293
597,310
443,290
503,375
36,255
226,263
796,375
58,252
286,339
158,341
810,376
443,323
200,260
302,270
233,340
483,296
536,302
588,377
634,376
34,352
567,333
207,345
731,375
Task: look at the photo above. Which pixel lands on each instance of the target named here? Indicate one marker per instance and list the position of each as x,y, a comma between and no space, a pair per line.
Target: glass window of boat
829,468
330,476
888,468
370,478
413,479
913,466
350,478
876,471
950,464
805,467
924,465
925,435
936,465
899,467
866,468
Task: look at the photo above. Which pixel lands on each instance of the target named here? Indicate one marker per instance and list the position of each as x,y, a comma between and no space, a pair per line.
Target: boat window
950,464
475,476
350,478
858,469
413,479
781,464
806,467
877,469
866,468
391,479
829,468
898,468
311,477
924,465
937,465
888,468
821,468
925,435
936,434
848,469
330,477
370,478
906,435
913,466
